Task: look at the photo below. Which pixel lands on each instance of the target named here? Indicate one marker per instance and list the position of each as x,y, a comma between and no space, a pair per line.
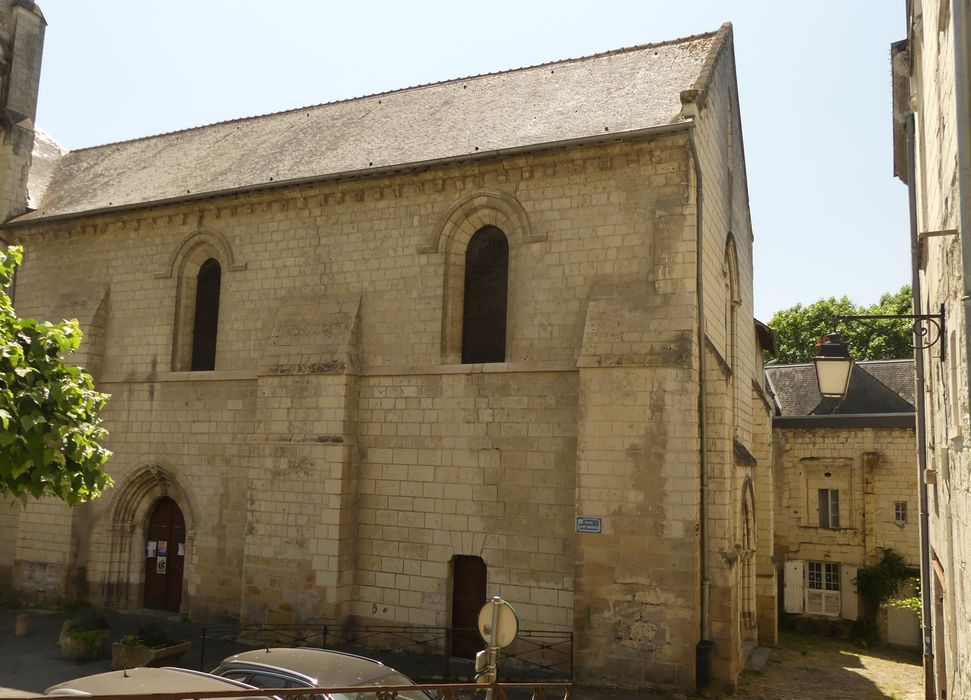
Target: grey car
146,681
314,668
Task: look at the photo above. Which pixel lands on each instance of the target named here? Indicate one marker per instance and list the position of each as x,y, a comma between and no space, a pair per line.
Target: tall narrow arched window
484,303
206,319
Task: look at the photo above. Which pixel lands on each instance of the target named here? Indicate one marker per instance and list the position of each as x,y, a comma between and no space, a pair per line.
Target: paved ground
806,666
802,666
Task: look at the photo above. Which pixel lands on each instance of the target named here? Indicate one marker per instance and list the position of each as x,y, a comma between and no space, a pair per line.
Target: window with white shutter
823,588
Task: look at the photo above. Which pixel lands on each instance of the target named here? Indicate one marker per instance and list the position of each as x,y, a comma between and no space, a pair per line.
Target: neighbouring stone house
380,358
932,156
845,488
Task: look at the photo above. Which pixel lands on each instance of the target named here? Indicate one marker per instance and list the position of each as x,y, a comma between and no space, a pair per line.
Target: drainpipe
925,559
705,643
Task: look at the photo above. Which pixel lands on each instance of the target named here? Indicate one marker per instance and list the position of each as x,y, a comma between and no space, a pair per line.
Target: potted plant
83,638
151,646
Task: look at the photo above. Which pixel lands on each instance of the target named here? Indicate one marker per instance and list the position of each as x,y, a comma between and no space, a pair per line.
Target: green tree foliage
50,430
800,327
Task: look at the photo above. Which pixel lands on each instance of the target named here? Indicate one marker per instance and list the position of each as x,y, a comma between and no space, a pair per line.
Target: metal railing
420,652
452,691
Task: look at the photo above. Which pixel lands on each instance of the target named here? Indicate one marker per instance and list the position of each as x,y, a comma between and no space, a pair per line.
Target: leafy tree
50,430
800,327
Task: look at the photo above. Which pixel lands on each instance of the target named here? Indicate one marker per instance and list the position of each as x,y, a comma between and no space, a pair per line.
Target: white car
146,681
314,668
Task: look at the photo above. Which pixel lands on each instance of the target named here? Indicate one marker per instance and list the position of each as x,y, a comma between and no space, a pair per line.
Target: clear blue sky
814,84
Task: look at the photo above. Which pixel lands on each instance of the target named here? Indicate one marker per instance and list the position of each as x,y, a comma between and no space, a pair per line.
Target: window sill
477,368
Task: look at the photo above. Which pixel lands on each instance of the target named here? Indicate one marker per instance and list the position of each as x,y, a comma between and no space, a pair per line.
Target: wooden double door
164,556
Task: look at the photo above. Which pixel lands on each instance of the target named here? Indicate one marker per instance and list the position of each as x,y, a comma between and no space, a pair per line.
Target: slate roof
611,93
876,386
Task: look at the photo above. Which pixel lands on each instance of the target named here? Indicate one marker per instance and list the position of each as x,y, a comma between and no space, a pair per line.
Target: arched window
484,305
206,318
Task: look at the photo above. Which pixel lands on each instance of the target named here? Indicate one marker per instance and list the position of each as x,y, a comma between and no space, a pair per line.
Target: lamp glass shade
833,375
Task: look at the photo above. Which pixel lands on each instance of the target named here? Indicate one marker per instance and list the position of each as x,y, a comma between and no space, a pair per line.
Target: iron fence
420,652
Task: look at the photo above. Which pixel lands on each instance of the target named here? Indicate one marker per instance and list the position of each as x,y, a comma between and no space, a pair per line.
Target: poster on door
163,548
160,565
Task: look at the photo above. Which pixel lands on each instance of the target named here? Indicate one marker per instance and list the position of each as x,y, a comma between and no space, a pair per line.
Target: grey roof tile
611,93
877,386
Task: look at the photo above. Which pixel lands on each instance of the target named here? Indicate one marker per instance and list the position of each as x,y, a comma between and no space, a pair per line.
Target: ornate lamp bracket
928,329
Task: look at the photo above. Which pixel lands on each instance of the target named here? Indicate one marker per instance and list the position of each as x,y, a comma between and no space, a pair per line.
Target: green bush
88,621
151,636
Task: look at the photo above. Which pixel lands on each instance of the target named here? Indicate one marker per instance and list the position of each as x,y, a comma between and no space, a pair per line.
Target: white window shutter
848,595
794,578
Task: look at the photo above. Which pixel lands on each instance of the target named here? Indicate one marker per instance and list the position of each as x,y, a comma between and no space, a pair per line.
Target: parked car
144,681
314,668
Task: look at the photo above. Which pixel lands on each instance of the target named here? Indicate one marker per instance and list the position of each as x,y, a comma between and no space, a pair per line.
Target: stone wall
339,457
872,468
931,95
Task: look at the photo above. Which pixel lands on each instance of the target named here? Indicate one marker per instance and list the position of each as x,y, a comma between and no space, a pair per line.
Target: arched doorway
468,596
164,556
747,618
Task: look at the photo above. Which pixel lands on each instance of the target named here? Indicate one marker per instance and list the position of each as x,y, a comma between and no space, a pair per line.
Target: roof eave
847,420
633,134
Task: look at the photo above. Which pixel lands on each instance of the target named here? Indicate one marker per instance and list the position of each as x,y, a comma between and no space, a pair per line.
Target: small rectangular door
468,597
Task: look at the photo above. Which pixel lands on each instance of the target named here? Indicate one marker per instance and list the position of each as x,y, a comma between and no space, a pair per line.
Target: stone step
757,659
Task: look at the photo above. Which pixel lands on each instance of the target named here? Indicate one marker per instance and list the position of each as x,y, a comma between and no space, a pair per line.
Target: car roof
333,668
140,680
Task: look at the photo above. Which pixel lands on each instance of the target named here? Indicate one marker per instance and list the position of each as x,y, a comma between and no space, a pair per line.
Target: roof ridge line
562,61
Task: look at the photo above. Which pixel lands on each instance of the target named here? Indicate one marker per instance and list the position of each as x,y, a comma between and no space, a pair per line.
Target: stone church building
378,359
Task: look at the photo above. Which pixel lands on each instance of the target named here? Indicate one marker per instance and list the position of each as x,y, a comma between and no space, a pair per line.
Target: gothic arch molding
208,238
730,269
476,210
746,546
127,520
746,535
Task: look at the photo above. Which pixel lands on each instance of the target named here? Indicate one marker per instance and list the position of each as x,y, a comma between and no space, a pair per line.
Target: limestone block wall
340,465
938,191
736,429
872,467
192,437
466,463
767,607
637,582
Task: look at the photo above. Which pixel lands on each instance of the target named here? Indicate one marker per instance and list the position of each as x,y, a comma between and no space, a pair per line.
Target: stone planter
132,655
82,646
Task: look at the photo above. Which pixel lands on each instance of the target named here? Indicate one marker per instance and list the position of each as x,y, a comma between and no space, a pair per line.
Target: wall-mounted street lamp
834,365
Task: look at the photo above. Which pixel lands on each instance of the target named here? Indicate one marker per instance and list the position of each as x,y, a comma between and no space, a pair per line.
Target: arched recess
192,261
732,297
215,240
134,499
746,556
733,301
463,219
